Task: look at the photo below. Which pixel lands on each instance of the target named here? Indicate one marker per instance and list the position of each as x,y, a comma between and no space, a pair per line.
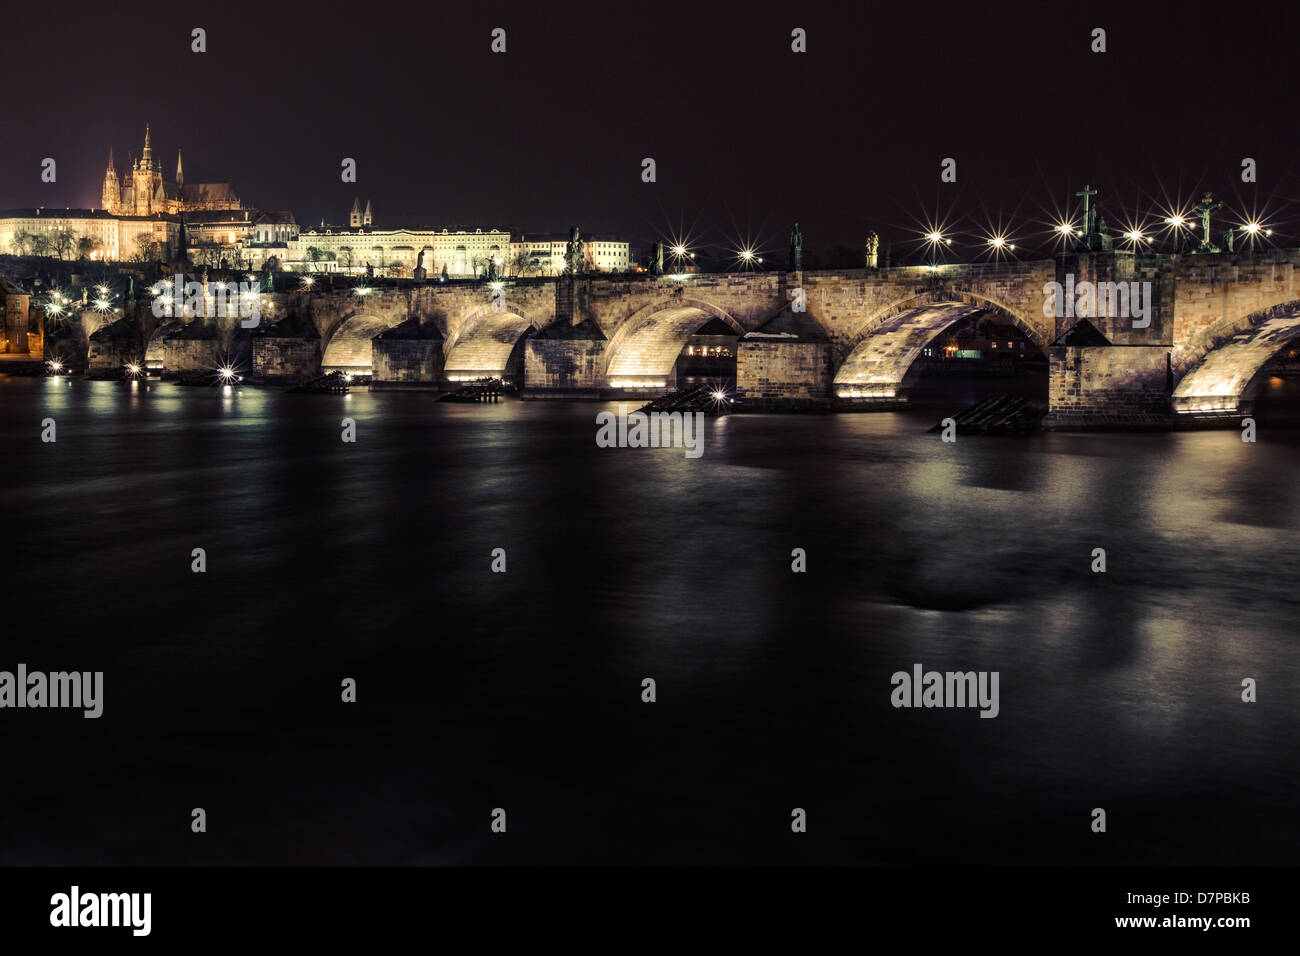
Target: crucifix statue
1207,206
1089,213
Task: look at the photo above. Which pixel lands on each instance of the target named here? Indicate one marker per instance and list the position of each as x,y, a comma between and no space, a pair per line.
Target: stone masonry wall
1107,385
769,372
558,364
405,363
285,360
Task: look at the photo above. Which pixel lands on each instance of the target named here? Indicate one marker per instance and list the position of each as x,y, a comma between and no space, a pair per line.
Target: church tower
354,219
180,172
111,196
366,218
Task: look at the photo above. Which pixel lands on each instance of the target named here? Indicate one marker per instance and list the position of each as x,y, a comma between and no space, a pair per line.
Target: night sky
747,135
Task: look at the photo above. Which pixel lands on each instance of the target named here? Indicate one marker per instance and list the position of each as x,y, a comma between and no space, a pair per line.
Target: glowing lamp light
1176,221
719,396
132,369
227,373
679,250
1253,228
308,282
496,286
55,366
747,255
362,290
1135,236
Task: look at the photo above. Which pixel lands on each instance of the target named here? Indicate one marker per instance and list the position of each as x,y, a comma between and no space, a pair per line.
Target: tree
146,247
41,245
345,256
88,246
22,242
63,240
521,263
314,256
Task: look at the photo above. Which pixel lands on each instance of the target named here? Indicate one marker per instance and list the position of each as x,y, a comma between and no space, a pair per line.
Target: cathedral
142,191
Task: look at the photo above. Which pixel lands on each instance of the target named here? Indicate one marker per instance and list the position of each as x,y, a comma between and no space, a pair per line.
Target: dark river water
522,690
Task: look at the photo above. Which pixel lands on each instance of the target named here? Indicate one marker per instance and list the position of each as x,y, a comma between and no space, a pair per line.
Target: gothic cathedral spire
180,173
111,195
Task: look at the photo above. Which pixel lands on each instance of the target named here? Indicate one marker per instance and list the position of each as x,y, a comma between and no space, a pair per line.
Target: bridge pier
1106,386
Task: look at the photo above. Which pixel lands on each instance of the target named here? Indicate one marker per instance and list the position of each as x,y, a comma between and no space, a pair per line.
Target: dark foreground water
523,690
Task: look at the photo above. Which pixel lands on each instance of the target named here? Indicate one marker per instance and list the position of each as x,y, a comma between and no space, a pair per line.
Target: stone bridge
844,338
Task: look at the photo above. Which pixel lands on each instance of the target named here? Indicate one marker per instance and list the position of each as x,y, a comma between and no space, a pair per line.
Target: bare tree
146,247
22,242
63,240
88,246
523,263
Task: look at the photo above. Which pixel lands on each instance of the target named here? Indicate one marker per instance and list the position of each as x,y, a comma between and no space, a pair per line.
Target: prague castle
143,215
142,191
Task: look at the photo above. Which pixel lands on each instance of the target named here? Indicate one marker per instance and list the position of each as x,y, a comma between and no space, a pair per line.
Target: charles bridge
845,338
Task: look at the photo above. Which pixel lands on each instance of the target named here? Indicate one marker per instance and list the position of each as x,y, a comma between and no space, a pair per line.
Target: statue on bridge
1095,234
657,258
873,249
1228,238
1207,206
420,271
795,262
573,253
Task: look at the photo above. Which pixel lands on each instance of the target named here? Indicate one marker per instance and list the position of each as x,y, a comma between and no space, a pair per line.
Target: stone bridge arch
645,348
1224,378
1038,329
884,350
484,342
349,347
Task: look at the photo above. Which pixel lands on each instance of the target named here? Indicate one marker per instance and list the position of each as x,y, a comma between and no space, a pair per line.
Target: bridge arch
1226,376
350,344
1039,332
485,344
645,348
887,346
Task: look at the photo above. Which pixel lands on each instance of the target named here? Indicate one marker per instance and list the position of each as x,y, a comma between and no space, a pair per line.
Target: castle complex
143,214
142,191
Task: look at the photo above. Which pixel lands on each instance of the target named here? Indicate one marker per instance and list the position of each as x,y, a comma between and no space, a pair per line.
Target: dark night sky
747,135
